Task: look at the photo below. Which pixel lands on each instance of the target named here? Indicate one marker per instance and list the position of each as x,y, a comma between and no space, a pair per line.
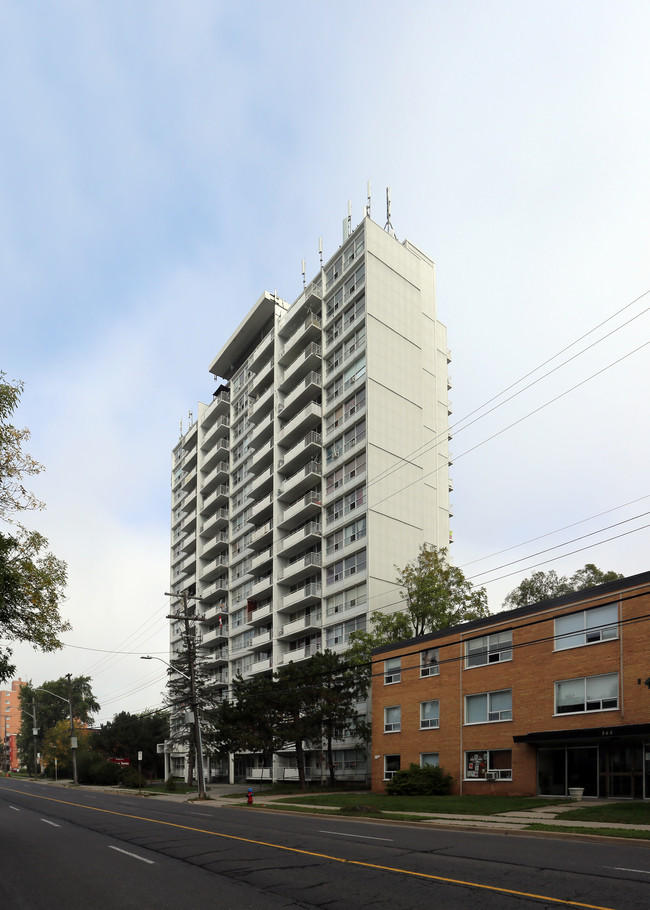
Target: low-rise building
536,700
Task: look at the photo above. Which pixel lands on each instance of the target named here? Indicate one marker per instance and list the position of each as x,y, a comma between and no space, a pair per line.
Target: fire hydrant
250,796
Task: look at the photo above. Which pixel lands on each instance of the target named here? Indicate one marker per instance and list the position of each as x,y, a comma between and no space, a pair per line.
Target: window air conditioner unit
491,775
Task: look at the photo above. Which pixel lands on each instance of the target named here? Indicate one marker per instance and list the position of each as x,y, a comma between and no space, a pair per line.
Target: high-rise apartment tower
320,464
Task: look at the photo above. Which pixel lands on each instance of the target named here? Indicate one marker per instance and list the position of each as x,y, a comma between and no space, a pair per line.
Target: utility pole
191,654
73,738
35,732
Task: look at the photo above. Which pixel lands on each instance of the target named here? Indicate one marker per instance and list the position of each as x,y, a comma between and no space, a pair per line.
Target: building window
429,759
393,719
590,693
490,649
488,764
587,627
429,714
429,662
488,707
392,670
391,766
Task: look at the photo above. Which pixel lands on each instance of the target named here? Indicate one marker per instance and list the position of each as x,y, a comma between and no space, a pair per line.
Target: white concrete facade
321,463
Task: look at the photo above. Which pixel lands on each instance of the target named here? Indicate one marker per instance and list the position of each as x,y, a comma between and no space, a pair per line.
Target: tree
51,710
32,580
335,710
179,699
437,596
128,734
56,745
249,722
542,586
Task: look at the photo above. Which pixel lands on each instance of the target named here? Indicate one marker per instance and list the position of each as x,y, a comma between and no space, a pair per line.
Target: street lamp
73,739
197,726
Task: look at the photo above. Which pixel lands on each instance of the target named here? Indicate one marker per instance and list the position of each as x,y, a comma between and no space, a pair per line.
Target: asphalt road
64,848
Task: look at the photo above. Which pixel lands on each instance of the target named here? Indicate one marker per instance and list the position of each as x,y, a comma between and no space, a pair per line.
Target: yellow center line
334,859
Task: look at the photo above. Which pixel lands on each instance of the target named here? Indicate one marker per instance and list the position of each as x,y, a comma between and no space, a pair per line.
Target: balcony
262,559
262,483
258,666
299,540
216,591
216,521
262,536
310,418
301,653
219,542
221,427
262,587
296,629
309,330
309,447
263,455
259,407
262,509
210,570
310,359
261,379
262,640
189,481
262,353
308,506
212,613
189,543
213,657
259,614
309,594
261,432
219,405
309,389
214,477
300,568
299,483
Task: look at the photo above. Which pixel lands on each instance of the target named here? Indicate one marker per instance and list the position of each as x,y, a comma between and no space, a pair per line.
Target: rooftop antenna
368,205
320,250
180,428
388,227
304,271
347,222
189,417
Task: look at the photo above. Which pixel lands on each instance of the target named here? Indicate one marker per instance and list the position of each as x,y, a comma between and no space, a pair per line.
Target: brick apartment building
10,720
530,701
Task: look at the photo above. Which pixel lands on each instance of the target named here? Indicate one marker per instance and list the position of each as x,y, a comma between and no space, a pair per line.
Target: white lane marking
134,855
623,869
54,824
14,808
367,836
203,814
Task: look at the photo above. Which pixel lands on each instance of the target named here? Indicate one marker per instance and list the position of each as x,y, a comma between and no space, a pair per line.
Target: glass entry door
561,768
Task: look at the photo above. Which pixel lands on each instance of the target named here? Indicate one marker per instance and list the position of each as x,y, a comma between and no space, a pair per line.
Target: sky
163,164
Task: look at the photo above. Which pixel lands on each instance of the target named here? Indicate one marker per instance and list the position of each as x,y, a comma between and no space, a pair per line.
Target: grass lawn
634,812
600,832
434,805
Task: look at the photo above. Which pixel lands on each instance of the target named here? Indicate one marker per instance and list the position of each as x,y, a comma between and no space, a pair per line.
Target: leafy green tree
51,710
32,580
248,722
335,710
541,586
128,734
56,745
437,596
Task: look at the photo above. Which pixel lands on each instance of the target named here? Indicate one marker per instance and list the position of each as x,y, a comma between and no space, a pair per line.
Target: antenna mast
388,227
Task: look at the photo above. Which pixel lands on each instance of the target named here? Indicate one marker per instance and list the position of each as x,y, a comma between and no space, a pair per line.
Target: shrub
170,784
94,770
417,781
131,778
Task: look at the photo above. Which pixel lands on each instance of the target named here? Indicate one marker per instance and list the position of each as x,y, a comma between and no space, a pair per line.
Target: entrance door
622,771
561,768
